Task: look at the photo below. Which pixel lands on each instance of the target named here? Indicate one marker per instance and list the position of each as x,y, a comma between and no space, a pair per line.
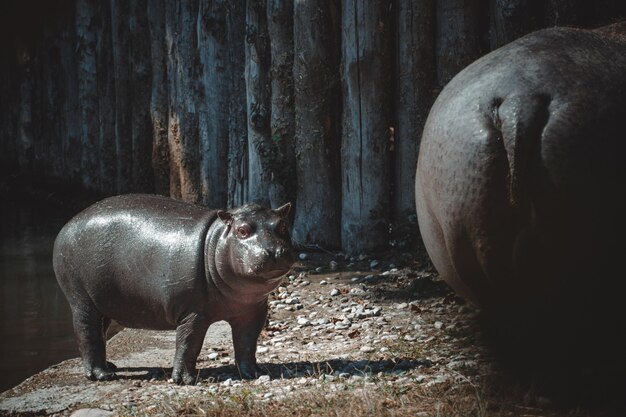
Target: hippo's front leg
246,329
189,339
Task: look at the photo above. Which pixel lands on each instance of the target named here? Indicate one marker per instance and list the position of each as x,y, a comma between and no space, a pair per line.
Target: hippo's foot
184,377
248,371
112,367
100,374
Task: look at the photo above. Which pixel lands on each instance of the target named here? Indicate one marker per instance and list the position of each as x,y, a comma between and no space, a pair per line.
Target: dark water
35,320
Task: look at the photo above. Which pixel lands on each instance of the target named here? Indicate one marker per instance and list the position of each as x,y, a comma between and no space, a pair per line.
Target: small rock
344,375
438,325
263,349
369,278
263,379
401,306
342,325
92,412
319,269
268,395
323,282
303,256
367,349
374,264
213,356
334,292
420,378
304,321
333,265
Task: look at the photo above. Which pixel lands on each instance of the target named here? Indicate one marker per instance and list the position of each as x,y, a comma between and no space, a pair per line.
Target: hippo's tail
520,119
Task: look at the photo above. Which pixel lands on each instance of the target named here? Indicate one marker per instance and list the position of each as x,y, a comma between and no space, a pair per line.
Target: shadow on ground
332,369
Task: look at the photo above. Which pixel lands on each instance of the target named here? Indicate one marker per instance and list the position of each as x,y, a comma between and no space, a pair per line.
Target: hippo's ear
225,216
283,211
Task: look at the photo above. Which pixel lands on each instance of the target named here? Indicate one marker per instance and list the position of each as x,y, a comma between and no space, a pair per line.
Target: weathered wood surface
220,103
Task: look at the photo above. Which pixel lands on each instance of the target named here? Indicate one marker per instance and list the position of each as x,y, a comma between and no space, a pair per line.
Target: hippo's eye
244,231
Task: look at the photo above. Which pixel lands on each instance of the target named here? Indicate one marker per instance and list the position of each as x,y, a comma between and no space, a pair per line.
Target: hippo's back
133,257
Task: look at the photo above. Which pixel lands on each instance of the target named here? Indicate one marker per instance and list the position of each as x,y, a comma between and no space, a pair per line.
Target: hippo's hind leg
90,327
105,328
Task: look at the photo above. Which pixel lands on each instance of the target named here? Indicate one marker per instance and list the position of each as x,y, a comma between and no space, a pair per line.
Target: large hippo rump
521,189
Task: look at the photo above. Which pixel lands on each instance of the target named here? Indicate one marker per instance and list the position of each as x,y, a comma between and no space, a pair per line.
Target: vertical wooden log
367,103
140,88
459,40
86,30
511,19
106,102
258,100
415,82
123,99
159,97
281,160
52,100
70,148
213,108
563,13
181,38
316,84
25,136
237,105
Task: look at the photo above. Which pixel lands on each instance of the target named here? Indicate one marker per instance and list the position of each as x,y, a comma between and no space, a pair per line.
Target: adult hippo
521,189
155,263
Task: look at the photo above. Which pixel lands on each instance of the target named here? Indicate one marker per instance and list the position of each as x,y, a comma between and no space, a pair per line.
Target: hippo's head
256,241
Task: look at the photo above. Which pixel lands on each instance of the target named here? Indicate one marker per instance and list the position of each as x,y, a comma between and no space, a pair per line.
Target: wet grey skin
520,176
152,262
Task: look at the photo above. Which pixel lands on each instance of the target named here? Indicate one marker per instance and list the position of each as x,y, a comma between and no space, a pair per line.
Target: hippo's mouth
268,274
270,270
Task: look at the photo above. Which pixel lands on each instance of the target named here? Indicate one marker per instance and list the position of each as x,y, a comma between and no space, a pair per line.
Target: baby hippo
152,262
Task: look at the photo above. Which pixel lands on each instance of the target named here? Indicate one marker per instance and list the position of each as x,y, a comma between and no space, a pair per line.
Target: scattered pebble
304,321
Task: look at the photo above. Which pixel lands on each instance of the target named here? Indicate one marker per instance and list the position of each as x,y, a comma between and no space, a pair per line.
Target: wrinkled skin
151,262
521,185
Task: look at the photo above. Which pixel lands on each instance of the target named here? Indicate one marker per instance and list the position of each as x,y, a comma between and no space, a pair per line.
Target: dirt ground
345,336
